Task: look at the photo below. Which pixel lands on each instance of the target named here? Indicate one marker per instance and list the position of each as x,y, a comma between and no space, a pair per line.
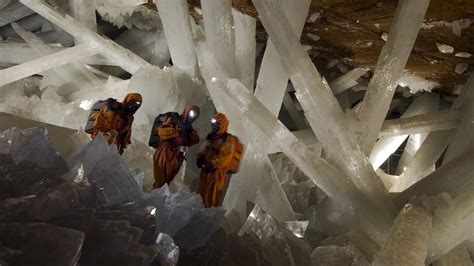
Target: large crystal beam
432,148
463,138
175,19
19,53
245,47
453,177
458,256
121,2
425,123
407,243
321,107
389,68
13,12
452,226
273,79
48,62
347,80
373,221
75,73
124,58
219,29
387,146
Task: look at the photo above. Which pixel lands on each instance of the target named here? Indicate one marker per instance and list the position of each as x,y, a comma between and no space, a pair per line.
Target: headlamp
213,121
192,114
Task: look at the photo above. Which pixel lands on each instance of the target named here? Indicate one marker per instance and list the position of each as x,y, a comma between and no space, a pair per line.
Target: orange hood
132,96
223,123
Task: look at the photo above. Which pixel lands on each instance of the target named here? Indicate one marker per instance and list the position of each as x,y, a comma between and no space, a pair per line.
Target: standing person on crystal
218,161
113,120
171,135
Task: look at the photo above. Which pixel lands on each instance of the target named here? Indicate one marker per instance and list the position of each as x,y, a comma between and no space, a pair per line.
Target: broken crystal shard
319,103
313,17
391,62
313,37
463,55
384,36
220,37
416,84
175,19
347,80
425,123
385,147
169,252
461,68
245,47
323,174
110,49
298,228
200,228
332,255
109,173
47,62
451,225
407,243
77,175
444,48
459,25
32,145
174,210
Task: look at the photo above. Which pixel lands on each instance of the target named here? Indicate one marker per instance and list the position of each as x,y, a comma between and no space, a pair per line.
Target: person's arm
103,119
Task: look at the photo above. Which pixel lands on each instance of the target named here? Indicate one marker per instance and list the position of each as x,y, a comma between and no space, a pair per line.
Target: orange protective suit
218,155
169,154
115,122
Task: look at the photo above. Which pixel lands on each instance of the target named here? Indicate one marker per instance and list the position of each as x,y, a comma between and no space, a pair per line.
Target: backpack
110,102
238,153
155,140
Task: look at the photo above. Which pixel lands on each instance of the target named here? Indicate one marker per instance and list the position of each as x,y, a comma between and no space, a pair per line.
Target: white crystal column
452,226
387,146
321,107
48,62
272,79
219,29
374,222
84,13
389,68
76,73
125,58
245,47
463,138
425,123
407,242
347,80
431,149
453,177
175,19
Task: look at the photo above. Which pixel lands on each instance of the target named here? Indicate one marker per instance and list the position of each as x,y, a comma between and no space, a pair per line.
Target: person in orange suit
219,159
172,134
114,120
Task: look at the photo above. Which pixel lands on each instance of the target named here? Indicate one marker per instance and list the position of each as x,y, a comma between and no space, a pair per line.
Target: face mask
214,126
133,106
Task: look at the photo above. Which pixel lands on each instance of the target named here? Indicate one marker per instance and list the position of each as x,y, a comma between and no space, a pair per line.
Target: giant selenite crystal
407,243
328,178
32,145
320,105
389,68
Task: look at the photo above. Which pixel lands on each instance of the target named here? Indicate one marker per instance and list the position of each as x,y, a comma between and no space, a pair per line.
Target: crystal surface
348,80
175,19
408,239
245,47
319,104
389,68
444,48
